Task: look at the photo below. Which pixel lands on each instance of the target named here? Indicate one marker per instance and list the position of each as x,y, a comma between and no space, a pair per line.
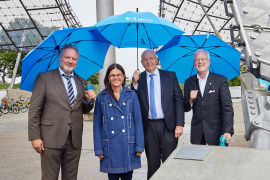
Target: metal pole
215,30
17,62
105,9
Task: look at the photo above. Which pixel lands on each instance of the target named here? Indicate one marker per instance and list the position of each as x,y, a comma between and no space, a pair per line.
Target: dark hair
69,46
106,79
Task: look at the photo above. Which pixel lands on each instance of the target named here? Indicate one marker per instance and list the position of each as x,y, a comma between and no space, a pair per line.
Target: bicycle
9,107
21,106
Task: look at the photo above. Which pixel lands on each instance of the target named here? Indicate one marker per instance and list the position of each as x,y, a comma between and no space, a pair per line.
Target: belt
156,119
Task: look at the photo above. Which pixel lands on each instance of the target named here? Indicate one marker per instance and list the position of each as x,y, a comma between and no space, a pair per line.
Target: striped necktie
70,90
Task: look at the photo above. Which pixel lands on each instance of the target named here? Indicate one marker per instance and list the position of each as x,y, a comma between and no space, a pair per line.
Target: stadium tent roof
33,19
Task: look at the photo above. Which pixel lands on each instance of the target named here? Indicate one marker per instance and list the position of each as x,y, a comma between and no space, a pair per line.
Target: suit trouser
159,144
67,156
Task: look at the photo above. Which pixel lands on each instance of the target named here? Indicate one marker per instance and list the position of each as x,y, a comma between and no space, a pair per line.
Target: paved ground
20,161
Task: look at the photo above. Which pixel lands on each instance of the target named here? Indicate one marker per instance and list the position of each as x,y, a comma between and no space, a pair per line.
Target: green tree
7,64
93,79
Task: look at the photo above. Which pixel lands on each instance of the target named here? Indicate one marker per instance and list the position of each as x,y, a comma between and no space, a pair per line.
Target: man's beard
67,70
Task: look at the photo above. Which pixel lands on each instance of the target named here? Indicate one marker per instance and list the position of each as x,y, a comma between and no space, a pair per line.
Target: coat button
110,105
124,104
111,118
123,130
122,117
112,132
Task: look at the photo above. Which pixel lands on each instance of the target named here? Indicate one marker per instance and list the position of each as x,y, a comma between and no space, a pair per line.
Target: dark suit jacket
171,99
50,113
212,113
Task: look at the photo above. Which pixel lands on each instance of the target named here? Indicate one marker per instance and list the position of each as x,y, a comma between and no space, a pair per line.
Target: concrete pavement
20,161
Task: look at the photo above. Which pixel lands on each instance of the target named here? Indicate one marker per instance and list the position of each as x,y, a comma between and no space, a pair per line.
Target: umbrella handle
85,87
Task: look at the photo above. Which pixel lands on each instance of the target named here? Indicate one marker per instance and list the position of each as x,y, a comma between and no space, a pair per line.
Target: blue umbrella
178,54
92,51
137,29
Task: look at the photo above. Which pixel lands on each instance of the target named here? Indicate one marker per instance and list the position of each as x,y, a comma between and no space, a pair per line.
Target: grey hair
202,50
148,50
69,46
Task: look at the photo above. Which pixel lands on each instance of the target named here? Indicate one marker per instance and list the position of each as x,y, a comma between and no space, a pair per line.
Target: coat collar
209,83
123,98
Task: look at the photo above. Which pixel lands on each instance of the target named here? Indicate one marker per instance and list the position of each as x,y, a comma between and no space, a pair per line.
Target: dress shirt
202,82
156,77
66,81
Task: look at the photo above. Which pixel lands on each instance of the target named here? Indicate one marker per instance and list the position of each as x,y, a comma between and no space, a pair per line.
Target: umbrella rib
147,36
124,34
225,61
91,61
33,66
179,59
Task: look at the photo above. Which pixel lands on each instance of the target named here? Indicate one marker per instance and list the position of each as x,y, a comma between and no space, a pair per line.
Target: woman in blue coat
118,130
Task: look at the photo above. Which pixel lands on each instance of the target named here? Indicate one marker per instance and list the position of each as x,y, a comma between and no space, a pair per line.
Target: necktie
152,98
70,90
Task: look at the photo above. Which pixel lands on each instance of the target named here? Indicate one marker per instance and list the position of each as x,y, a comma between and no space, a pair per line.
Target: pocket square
211,91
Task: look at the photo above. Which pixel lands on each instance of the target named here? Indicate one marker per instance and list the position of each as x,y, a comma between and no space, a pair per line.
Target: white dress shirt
202,82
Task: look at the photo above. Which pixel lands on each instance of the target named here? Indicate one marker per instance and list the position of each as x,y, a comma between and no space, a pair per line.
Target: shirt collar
205,77
156,72
62,72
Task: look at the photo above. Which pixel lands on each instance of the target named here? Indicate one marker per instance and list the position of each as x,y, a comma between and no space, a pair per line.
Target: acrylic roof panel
190,17
34,19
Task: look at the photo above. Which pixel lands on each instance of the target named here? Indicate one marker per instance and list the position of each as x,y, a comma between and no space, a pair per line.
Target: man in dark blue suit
162,109
209,96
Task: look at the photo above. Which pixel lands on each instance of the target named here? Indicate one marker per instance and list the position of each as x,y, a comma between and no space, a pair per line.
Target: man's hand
91,95
193,95
37,144
136,77
138,153
178,131
228,136
101,157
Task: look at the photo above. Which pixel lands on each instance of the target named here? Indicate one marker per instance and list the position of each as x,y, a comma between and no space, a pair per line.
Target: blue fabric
178,54
152,31
152,98
92,51
118,131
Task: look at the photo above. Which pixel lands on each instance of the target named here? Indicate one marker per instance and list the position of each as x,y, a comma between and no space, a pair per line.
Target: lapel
209,83
123,97
162,84
80,89
60,84
144,85
109,99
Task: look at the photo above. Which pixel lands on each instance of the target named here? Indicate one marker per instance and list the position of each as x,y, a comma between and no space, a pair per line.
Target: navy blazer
212,112
172,101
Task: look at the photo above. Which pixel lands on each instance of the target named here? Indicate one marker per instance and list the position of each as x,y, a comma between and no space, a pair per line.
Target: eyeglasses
149,59
115,76
202,59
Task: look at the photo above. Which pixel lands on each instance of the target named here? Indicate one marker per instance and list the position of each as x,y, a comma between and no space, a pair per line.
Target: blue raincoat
118,131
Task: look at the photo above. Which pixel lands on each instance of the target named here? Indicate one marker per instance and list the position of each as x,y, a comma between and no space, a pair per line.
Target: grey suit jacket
212,112
50,113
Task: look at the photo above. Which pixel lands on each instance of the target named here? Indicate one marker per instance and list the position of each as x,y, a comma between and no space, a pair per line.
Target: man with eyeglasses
162,109
209,96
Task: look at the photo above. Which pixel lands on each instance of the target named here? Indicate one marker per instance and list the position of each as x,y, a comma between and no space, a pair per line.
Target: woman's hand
138,153
101,157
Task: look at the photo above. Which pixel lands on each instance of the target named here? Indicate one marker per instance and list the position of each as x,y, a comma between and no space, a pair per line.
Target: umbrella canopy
92,51
178,54
121,30
137,29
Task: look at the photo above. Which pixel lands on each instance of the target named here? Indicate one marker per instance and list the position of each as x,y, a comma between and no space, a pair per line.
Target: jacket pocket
105,146
46,122
131,145
217,122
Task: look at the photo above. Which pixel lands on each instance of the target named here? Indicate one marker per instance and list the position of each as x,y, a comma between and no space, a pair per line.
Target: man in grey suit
209,96
162,109
55,123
